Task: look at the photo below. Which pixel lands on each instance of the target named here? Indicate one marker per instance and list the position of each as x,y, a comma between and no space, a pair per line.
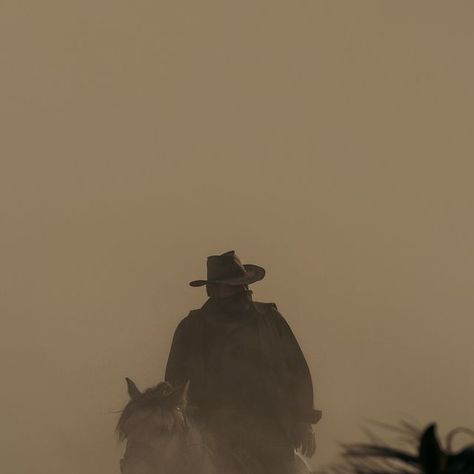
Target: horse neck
196,455
184,453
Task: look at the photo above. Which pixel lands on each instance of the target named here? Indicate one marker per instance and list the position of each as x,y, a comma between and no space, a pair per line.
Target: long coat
284,371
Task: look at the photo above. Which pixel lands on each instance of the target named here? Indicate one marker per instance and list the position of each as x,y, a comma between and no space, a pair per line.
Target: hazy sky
329,141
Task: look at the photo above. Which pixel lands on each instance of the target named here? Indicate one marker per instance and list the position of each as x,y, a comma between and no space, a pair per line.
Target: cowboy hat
228,269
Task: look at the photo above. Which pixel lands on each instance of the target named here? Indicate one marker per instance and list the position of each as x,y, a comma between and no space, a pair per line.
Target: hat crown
227,265
228,269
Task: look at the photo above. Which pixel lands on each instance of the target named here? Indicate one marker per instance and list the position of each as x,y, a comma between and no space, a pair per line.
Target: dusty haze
329,141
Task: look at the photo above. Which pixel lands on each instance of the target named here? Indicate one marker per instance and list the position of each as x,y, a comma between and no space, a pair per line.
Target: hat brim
253,273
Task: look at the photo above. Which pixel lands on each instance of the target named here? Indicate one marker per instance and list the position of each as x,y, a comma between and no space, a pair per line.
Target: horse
162,437
427,457
159,437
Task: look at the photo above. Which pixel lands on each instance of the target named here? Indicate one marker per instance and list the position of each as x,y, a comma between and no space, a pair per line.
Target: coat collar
231,304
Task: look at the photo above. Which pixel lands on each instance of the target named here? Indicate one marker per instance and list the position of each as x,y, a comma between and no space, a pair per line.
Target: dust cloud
329,142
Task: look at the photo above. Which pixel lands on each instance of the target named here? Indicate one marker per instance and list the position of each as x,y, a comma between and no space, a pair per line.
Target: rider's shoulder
191,316
189,319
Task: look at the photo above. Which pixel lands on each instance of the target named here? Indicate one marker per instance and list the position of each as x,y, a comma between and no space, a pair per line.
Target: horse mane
151,406
374,459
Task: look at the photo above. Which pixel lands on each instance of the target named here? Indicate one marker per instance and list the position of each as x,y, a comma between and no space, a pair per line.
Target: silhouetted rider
250,385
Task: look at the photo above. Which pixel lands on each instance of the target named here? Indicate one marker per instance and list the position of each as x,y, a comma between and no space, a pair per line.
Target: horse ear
430,453
132,389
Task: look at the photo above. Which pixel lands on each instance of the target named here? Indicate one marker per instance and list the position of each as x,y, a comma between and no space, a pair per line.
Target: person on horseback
250,386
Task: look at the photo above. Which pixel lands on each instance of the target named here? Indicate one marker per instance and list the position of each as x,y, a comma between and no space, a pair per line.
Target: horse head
154,426
428,457
434,460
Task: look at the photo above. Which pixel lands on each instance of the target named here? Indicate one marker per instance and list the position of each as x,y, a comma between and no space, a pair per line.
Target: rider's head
221,290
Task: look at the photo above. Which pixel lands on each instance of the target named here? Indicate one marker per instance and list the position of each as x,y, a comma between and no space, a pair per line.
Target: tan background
330,142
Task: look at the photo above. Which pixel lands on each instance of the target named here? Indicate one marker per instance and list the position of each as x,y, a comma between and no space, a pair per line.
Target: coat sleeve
300,382
177,367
